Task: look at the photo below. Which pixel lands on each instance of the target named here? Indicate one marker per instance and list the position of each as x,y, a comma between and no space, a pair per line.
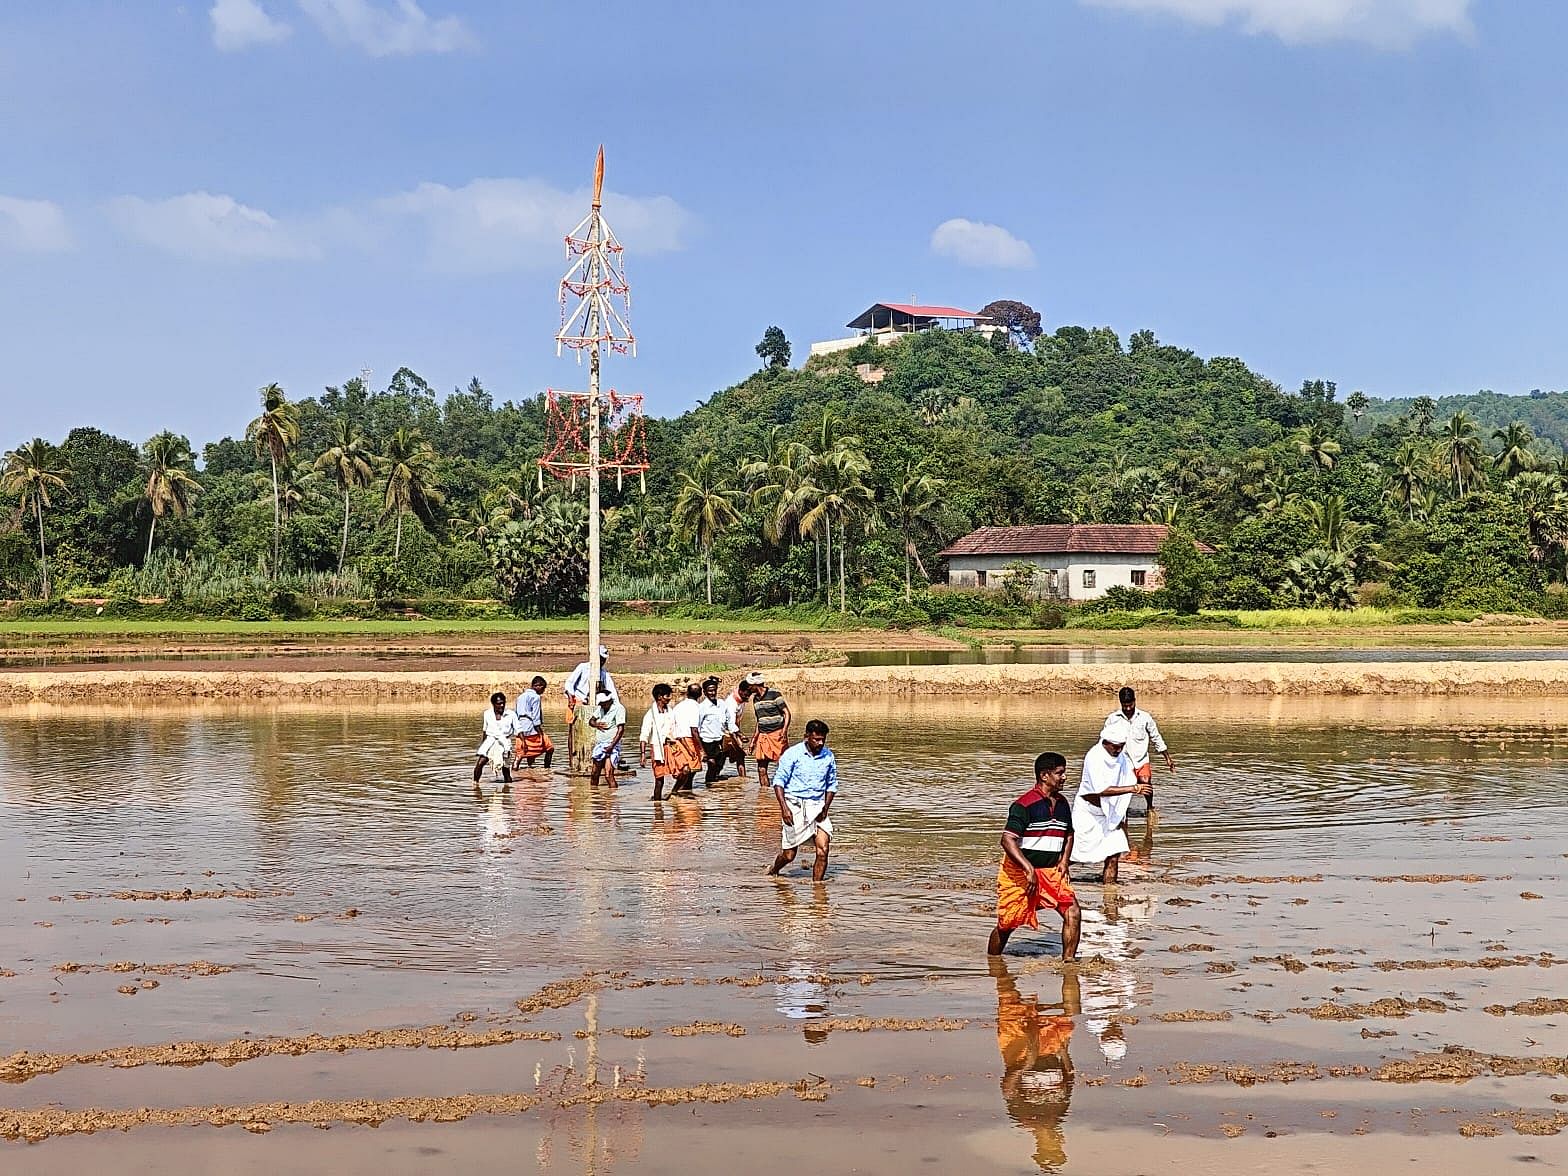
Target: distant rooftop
885,314
1064,539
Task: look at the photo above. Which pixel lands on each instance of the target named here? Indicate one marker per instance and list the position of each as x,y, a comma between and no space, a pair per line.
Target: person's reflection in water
1037,1075
802,993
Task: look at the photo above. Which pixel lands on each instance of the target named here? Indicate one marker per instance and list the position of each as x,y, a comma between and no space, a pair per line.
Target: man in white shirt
712,716
1143,732
609,721
496,750
685,754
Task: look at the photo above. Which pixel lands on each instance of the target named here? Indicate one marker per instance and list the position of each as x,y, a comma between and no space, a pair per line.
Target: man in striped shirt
1036,847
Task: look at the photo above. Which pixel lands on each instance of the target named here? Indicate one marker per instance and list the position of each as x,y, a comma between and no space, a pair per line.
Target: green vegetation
813,494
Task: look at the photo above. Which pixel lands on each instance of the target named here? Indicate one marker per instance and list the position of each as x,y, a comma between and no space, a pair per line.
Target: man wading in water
1143,732
804,785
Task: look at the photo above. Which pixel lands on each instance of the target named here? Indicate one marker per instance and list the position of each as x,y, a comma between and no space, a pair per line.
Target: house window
980,579
1139,578
1088,578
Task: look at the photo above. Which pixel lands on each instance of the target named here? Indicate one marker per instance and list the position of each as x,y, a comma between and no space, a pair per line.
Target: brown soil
1541,1006
1220,968
897,1024
1486,962
196,968
1458,1064
1390,1006
561,993
24,1064
1183,1073
697,1028
1474,1130
1190,947
1193,1015
45,1123
322,680
185,895
1432,878
1289,962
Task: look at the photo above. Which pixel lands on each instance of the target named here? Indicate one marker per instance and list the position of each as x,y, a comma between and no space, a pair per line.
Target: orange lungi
531,746
770,746
1014,909
679,758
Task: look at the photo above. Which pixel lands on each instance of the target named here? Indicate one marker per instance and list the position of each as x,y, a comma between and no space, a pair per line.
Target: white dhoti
1097,828
802,828
497,750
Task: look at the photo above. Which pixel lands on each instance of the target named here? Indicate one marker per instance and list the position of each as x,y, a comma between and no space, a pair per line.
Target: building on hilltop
1075,561
888,322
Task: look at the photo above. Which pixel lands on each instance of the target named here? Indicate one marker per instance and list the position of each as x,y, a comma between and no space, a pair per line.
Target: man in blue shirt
530,741
804,784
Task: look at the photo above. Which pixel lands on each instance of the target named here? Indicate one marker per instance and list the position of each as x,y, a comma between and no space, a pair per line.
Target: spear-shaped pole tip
598,178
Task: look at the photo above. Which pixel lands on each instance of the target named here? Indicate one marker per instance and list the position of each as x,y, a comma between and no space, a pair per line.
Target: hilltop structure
888,322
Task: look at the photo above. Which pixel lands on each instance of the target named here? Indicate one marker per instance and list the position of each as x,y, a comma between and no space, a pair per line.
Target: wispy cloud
207,227
241,24
491,225
483,227
33,226
982,245
395,29
1389,24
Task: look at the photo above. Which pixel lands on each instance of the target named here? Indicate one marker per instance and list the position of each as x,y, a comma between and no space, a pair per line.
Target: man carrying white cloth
1104,791
805,783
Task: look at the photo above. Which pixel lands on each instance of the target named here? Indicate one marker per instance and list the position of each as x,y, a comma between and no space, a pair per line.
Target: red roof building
906,316
1073,561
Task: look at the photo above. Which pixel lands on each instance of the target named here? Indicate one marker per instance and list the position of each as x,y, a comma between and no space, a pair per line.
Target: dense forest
831,486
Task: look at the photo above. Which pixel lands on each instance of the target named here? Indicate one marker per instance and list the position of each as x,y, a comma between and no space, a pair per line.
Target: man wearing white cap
576,689
1100,808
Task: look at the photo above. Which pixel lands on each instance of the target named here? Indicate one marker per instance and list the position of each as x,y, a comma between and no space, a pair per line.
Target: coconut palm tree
706,506
1411,465
1461,452
1357,402
1316,443
274,434
409,469
31,472
841,497
1516,457
348,461
171,479
913,505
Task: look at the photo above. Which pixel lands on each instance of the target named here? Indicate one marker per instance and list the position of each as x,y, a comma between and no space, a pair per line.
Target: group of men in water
700,732
1044,834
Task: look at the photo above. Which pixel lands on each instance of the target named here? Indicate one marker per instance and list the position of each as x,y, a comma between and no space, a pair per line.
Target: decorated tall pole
595,313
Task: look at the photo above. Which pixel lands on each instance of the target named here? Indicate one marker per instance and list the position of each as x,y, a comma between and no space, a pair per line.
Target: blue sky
199,198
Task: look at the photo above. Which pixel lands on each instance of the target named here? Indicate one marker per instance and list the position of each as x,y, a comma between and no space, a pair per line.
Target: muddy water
1334,888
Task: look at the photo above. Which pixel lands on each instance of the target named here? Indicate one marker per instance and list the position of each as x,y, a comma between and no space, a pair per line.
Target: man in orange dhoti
530,742
1036,847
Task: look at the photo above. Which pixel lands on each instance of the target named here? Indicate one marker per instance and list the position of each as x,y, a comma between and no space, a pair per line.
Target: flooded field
235,938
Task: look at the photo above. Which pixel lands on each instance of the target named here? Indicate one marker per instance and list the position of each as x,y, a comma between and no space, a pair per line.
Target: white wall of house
1077,577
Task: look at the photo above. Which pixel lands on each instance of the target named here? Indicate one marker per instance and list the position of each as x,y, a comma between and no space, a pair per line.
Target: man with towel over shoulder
1104,792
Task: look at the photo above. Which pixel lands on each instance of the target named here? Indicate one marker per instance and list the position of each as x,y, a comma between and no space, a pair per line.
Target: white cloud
1391,24
486,226
33,226
981,245
239,24
205,227
492,225
393,29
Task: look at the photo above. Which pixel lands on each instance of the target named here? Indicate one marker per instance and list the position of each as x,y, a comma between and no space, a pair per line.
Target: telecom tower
595,432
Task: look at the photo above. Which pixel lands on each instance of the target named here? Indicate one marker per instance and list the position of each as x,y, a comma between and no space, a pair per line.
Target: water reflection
1037,1067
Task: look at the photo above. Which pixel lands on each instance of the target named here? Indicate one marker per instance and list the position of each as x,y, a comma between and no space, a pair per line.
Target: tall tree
1316,443
171,479
1021,320
774,350
1423,411
1516,457
1357,403
274,434
1411,465
706,506
31,472
348,462
1461,451
914,503
409,468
